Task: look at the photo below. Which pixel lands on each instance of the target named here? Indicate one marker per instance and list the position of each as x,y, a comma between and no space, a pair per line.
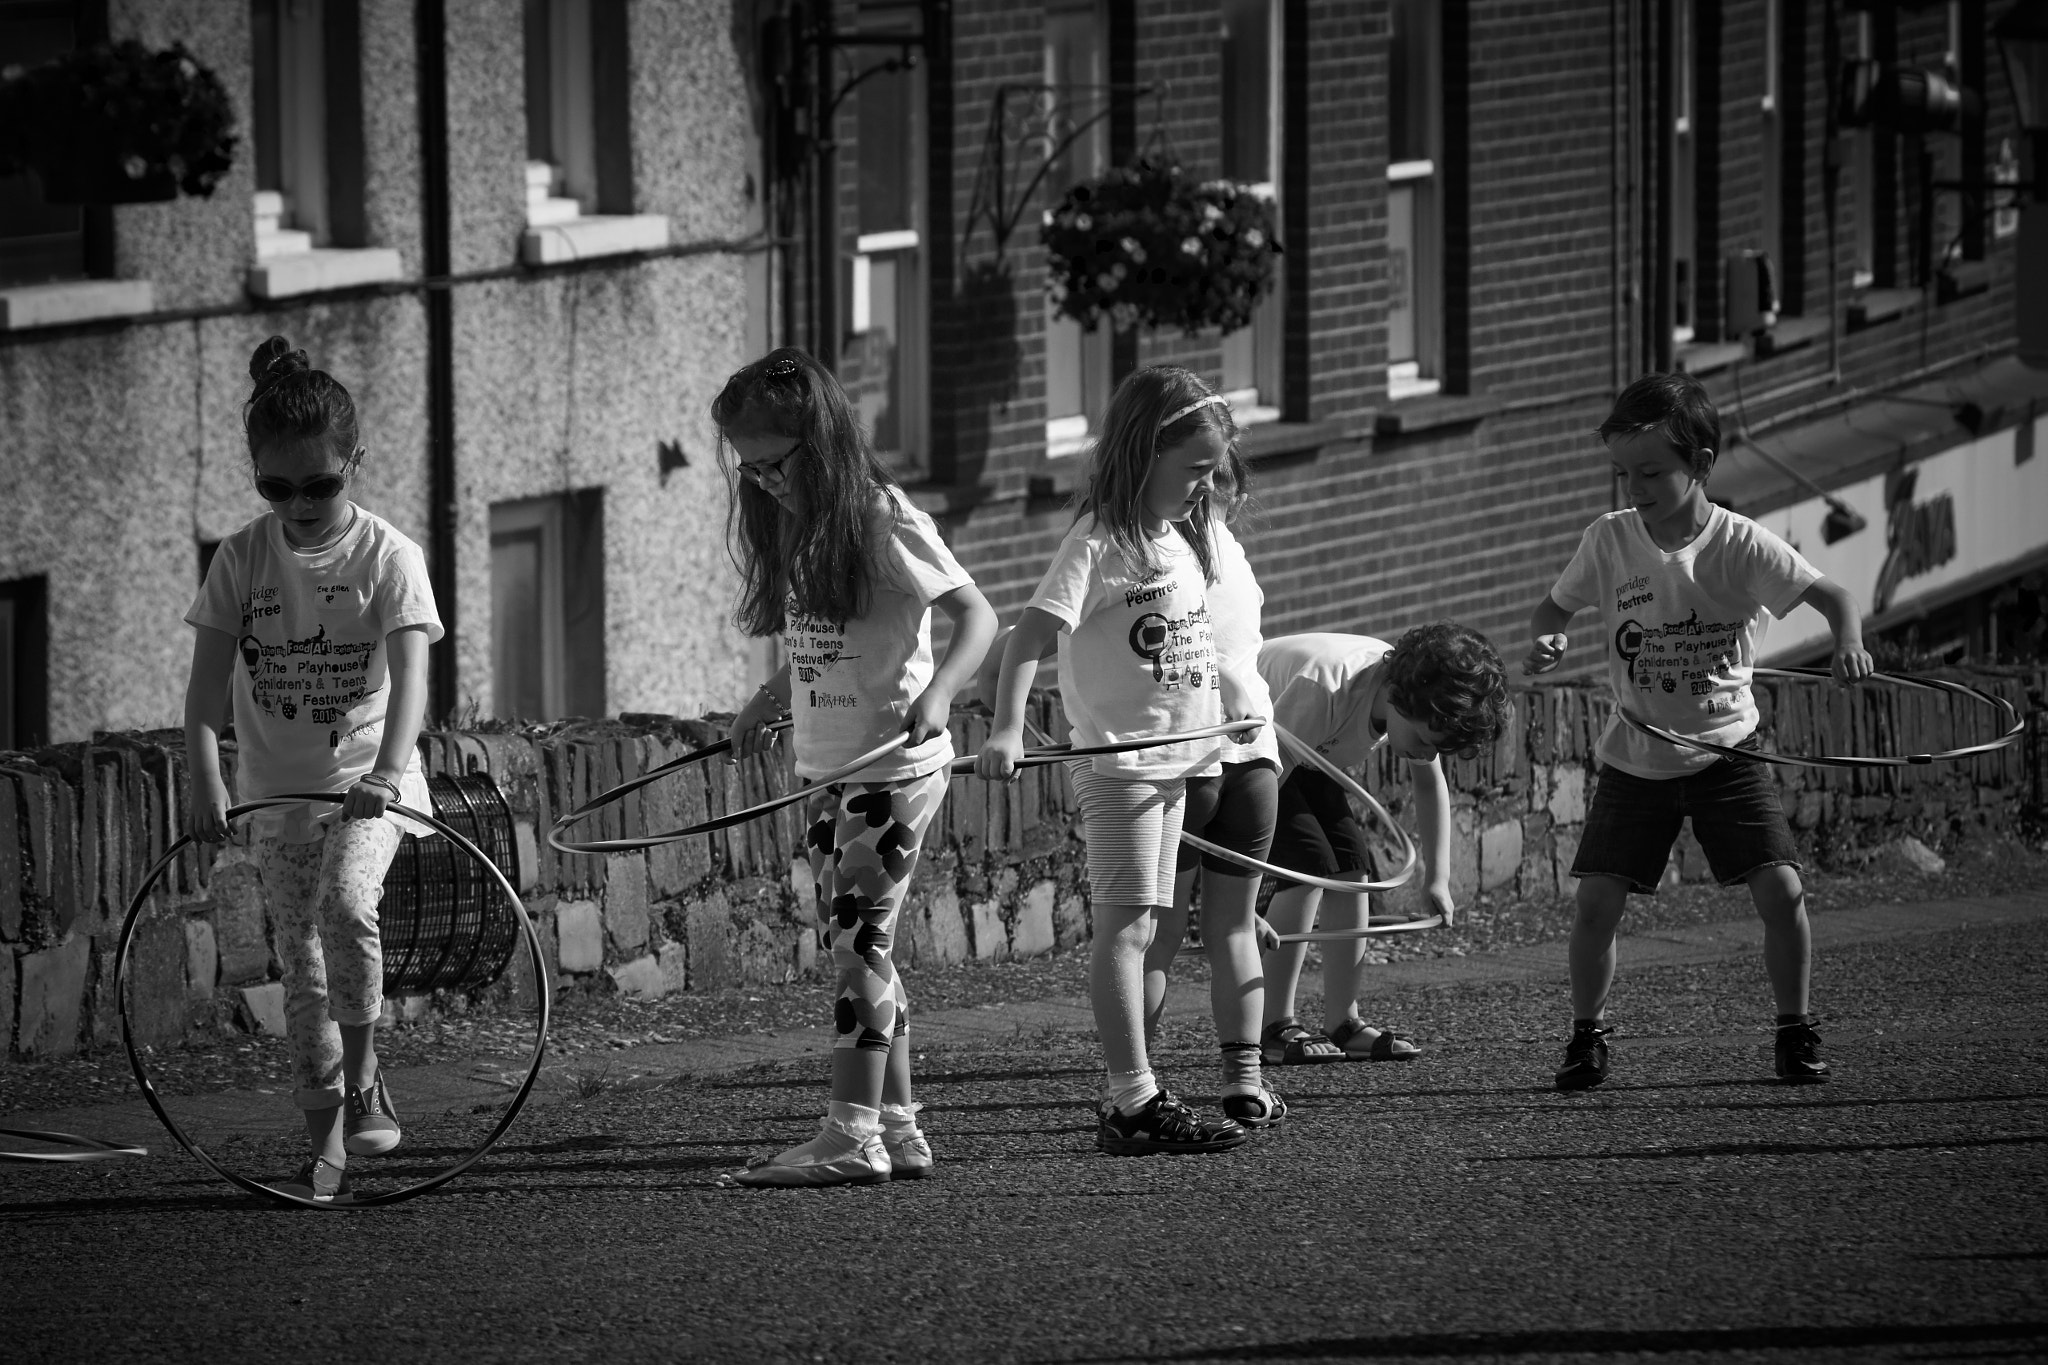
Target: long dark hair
823,558
292,401
1131,440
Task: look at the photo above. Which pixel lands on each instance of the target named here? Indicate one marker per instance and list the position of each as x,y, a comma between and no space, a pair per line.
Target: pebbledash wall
1001,876
121,447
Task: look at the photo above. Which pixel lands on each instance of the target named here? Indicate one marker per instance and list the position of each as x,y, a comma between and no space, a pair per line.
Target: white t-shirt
1235,601
1324,687
1137,656
851,683
1683,628
311,680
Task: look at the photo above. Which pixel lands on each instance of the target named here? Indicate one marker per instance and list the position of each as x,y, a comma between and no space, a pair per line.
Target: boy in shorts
1684,589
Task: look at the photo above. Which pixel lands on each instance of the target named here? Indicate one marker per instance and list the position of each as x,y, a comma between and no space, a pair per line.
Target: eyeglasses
762,472
319,489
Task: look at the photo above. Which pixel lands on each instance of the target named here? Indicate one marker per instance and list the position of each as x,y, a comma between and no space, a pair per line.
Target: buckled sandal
1262,1110
1388,1045
1286,1043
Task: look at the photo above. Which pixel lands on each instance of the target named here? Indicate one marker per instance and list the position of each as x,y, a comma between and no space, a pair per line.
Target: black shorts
1318,834
1733,805
1233,810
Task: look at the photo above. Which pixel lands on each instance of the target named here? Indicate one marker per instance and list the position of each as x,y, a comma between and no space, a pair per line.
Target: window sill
1960,280
1789,334
1880,305
1707,357
53,305
1417,415
602,235
321,270
1271,440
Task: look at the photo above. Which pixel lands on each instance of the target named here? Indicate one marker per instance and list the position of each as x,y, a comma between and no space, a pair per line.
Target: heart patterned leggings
863,842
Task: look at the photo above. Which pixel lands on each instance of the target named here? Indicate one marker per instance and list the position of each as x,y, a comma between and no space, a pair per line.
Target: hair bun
275,359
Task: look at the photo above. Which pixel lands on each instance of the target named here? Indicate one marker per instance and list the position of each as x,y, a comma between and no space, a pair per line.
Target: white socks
899,1121
1131,1091
855,1121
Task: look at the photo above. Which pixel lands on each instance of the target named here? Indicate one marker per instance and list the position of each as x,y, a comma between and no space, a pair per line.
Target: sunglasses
763,471
319,489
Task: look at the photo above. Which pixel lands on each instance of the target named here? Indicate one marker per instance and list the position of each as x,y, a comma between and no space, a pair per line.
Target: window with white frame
579,145
308,125
1253,74
1771,118
884,358
1414,200
1078,363
1680,206
547,606
1864,180
39,241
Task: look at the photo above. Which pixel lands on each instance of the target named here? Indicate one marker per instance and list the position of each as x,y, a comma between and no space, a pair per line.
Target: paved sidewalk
455,1087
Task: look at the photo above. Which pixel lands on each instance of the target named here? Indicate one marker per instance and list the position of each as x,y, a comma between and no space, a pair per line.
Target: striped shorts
1133,829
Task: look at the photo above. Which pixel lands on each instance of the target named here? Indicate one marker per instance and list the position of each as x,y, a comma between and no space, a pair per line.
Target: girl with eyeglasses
836,559
312,626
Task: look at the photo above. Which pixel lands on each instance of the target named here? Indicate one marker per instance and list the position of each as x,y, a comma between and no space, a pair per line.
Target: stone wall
1001,877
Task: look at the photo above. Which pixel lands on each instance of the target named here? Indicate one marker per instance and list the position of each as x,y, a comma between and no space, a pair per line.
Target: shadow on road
1772,1149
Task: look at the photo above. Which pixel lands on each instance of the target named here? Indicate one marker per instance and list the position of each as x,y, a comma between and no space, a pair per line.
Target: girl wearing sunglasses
313,626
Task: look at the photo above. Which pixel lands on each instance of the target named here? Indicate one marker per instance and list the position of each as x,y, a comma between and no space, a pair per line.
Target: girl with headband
833,557
1126,600
315,618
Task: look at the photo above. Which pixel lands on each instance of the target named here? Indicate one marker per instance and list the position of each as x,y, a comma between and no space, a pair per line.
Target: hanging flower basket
1149,246
117,124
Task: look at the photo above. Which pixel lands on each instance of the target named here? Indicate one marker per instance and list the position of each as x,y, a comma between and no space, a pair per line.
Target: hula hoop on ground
2016,727
88,1148
519,1097
960,766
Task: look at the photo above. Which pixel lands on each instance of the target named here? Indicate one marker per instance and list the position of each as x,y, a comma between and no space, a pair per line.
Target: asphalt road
1451,1209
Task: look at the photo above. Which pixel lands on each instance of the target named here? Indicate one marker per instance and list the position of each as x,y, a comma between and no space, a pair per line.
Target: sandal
1389,1045
1286,1043
1262,1110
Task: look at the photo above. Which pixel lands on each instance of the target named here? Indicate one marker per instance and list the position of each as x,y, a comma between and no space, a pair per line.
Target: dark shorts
1735,815
1318,834
1234,810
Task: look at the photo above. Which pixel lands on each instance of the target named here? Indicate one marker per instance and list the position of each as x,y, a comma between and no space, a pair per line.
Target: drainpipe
431,18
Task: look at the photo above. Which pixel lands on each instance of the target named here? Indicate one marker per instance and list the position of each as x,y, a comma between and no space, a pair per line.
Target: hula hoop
519,1098
2016,728
89,1149
960,767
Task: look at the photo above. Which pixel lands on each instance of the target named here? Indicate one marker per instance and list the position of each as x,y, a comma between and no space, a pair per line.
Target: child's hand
1238,704
997,761
206,817
1267,936
927,715
1546,653
1852,663
749,733
1440,902
367,799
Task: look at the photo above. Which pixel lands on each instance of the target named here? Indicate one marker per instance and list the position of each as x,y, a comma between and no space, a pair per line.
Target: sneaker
1165,1125
1798,1051
371,1128
320,1182
831,1158
1585,1059
1262,1110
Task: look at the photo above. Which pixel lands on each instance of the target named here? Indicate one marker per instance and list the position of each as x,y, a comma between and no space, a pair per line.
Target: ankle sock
1582,1025
1793,1020
899,1121
856,1121
1241,1071
1131,1091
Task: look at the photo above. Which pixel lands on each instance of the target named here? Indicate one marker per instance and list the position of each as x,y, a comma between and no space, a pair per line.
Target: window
1874,166
1415,272
1771,138
547,607
41,241
579,158
883,359
24,664
1784,142
308,117
1078,364
1253,76
1684,283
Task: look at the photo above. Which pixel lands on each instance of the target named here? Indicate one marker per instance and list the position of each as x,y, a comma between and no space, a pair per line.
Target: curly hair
1447,677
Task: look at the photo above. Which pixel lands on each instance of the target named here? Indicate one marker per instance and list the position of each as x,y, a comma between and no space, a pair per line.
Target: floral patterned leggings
323,913
863,844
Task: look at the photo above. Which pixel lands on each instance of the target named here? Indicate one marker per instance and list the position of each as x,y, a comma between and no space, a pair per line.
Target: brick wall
1001,875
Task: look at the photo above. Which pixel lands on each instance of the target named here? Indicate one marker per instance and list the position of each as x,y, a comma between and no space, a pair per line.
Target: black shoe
1585,1059
1164,1125
1799,1055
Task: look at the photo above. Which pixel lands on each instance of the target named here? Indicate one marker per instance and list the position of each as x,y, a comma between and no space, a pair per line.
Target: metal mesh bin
444,922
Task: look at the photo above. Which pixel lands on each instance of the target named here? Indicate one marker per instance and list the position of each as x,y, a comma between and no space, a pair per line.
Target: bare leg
857,1075
1293,911
359,1054
1788,939
1237,985
1116,982
1601,901
896,1079
1165,946
323,1126
1342,960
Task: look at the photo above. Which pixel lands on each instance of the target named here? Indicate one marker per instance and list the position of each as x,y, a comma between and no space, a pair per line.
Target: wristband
386,783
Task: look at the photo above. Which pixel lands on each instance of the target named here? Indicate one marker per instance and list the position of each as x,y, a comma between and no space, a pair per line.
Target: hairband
781,366
1201,402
